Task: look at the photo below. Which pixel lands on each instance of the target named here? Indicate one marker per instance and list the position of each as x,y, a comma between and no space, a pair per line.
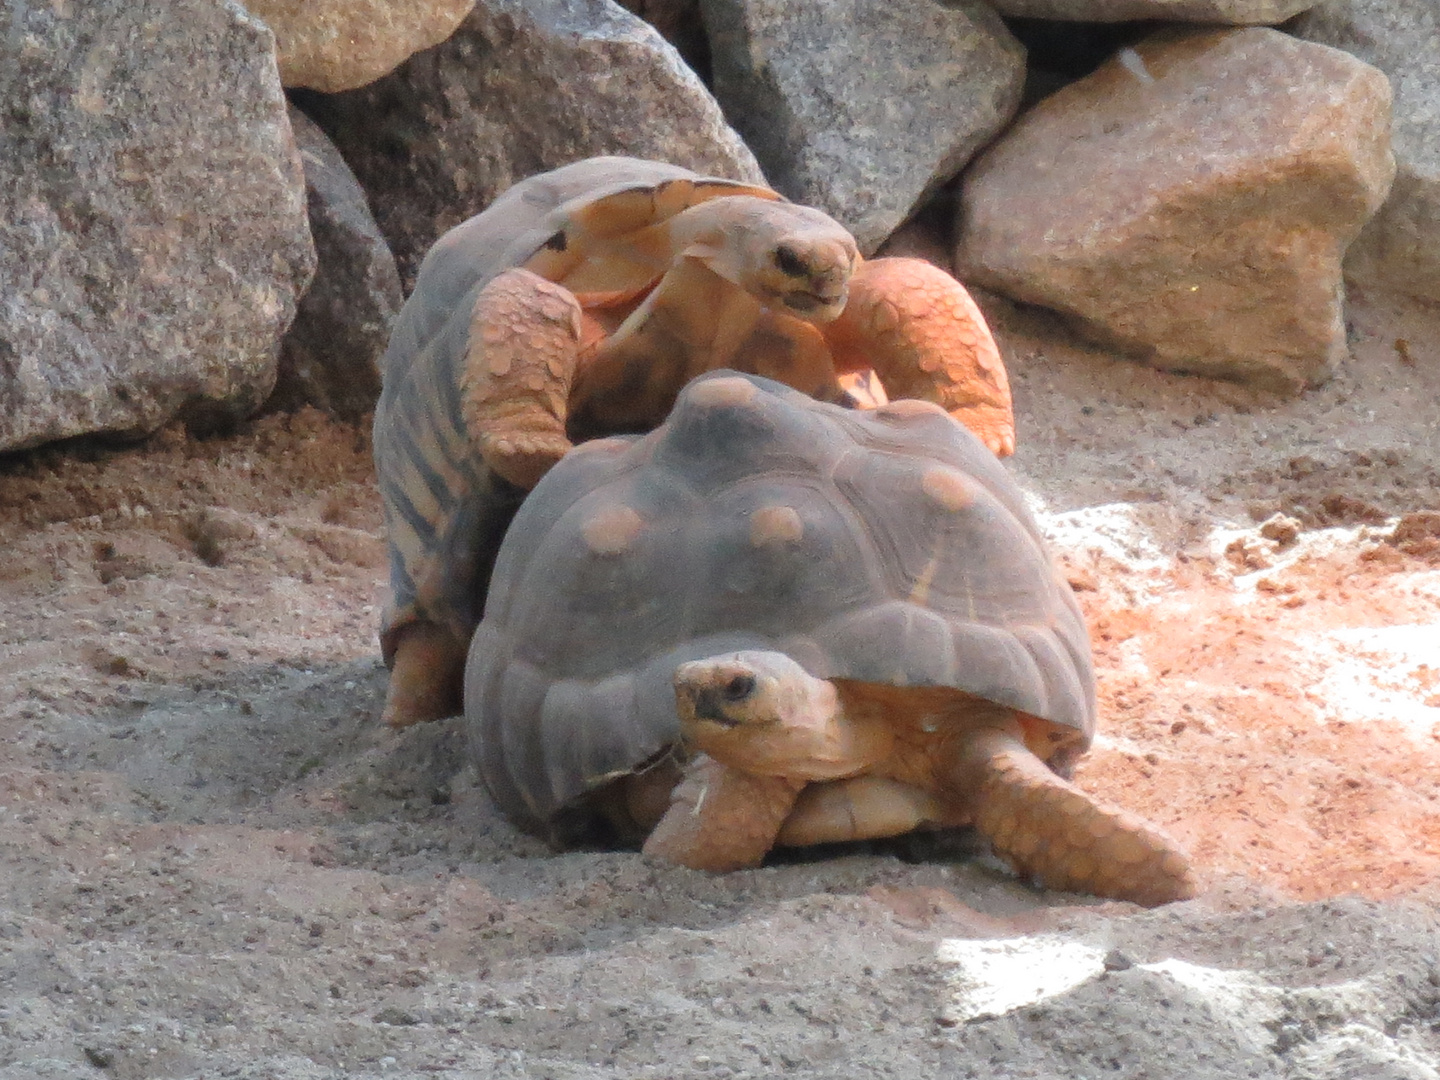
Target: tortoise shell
886,546
584,226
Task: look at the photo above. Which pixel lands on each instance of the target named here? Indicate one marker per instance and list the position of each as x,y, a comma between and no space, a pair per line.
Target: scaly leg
524,345
722,818
918,328
1052,831
426,674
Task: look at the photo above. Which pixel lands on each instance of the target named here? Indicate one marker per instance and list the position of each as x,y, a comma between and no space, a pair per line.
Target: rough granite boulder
521,87
1400,248
153,238
334,45
679,23
1190,202
1232,12
331,356
863,109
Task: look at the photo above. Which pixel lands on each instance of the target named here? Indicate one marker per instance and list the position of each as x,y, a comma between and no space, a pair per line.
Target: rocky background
213,863
1190,182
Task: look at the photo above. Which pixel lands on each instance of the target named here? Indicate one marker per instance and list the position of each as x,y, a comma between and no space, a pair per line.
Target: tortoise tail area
1053,832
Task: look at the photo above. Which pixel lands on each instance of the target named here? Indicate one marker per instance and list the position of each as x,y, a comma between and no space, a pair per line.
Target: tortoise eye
739,688
789,261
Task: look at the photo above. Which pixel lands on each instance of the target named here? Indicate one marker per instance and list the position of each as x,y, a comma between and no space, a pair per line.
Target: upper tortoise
577,305
776,620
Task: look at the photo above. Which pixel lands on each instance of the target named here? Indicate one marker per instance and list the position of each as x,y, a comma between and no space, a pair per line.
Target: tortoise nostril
739,687
789,261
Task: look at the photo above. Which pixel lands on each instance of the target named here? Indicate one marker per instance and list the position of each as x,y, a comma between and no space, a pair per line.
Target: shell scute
968,559
587,731
717,436
778,584
521,690
894,642
587,605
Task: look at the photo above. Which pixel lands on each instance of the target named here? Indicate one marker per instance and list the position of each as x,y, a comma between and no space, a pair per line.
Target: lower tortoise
777,621
578,304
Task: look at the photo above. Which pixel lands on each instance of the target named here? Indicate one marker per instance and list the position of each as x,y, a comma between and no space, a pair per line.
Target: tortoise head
749,688
764,713
790,257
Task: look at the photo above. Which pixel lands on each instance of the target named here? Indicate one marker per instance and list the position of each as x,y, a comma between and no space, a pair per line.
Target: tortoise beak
706,704
808,302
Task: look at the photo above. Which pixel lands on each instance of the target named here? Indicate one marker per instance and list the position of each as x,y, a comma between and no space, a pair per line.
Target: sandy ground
214,862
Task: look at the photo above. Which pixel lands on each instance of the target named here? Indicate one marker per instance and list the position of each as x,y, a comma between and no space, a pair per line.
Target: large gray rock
1190,202
679,23
152,225
1234,12
1400,248
331,356
862,108
334,45
521,87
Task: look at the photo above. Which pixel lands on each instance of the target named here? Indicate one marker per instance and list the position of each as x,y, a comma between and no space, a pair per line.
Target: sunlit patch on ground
1303,1025
1268,693
992,978
1120,532
1383,673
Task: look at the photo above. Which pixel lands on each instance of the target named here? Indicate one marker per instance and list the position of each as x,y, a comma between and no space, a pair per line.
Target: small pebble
99,1057
1115,960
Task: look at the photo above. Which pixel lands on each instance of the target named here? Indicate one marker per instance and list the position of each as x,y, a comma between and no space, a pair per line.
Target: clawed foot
426,676
926,338
1058,835
720,818
520,361
523,457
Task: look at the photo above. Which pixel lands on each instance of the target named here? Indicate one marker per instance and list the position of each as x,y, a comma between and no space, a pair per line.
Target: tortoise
772,620
577,305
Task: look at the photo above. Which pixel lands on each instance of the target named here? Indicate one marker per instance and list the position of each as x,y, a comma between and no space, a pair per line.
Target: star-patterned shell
886,546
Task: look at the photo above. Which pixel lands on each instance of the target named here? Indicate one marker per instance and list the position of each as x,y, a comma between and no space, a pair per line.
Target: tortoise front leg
525,339
722,818
1053,832
918,328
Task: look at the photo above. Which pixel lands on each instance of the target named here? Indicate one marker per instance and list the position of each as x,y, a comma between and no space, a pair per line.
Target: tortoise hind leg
426,675
515,375
1052,831
924,336
524,344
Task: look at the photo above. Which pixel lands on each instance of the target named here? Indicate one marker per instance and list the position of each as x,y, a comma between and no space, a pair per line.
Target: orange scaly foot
924,336
1052,831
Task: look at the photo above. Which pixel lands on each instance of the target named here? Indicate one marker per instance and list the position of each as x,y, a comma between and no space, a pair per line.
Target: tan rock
1190,202
334,45
1400,248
